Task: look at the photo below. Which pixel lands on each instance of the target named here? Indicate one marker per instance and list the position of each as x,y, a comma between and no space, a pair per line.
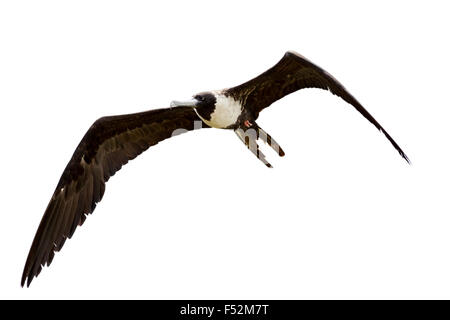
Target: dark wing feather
294,72
109,144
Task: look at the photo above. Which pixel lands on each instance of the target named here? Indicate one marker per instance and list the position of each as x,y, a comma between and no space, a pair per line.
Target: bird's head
204,103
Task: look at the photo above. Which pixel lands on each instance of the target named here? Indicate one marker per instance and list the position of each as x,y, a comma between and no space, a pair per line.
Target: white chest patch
226,113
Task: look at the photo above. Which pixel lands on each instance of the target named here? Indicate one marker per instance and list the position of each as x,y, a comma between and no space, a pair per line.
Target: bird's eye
200,98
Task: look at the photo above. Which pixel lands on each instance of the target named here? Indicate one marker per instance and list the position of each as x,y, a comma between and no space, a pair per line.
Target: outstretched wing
109,144
294,72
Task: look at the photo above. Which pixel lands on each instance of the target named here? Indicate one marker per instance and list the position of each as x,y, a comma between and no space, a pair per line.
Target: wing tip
404,156
27,276
396,146
26,279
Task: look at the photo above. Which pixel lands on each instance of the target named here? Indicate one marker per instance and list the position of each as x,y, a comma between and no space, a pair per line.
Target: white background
198,216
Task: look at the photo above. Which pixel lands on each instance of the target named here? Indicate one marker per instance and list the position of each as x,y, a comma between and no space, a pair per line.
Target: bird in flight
113,141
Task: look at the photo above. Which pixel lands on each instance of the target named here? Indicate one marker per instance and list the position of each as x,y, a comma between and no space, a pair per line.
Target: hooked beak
190,103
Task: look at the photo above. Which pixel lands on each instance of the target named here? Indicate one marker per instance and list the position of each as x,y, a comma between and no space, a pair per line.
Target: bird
112,141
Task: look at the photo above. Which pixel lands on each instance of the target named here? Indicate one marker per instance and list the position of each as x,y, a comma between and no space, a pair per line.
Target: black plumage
294,72
108,144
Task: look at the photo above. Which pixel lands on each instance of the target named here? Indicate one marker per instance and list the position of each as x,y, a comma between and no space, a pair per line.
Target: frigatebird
112,141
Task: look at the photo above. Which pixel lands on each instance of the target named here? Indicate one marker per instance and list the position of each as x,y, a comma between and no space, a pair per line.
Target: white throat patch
226,112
